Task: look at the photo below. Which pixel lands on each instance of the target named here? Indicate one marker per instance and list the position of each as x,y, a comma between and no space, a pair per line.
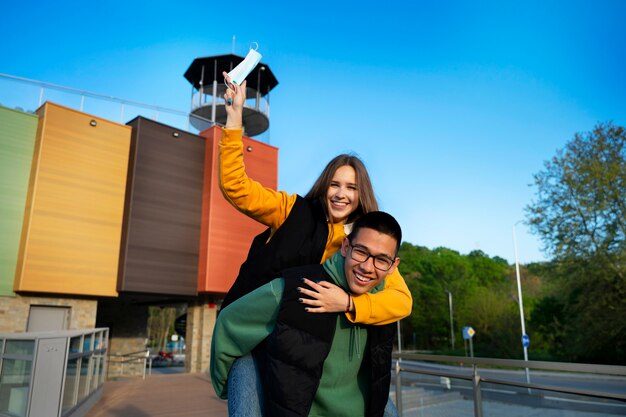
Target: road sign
525,340
468,332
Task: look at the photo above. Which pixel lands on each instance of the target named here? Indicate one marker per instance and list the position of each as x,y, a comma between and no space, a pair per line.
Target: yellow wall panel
73,223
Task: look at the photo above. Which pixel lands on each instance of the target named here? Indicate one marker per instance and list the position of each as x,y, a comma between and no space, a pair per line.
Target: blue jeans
390,409
245,394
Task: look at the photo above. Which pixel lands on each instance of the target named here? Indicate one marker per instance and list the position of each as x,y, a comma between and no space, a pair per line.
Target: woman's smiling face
343,194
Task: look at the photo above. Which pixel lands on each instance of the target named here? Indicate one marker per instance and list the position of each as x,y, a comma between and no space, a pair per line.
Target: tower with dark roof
208,88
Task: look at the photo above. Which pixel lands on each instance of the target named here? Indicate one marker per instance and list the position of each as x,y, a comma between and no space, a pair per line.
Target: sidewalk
181,395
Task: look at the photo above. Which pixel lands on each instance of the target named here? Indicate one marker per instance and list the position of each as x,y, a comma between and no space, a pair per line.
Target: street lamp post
521,304
451,319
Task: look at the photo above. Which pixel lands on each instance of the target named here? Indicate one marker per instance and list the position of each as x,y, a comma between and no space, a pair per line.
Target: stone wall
14,312
201,316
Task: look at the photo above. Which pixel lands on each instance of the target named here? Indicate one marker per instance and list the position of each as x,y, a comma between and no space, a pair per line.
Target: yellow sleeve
391,304
250,197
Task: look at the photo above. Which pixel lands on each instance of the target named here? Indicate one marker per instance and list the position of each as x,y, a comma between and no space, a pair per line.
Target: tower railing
202,99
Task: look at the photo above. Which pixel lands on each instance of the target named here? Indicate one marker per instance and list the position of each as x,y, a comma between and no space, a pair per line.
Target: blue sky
453,106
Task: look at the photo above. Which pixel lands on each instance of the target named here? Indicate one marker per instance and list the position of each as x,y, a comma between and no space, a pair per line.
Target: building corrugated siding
72,227
17,140
161,240
227,233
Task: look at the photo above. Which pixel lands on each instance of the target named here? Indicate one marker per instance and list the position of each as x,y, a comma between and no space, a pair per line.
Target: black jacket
292,359
300,240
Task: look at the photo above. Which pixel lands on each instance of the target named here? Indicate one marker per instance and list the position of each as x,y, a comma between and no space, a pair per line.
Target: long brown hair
367,199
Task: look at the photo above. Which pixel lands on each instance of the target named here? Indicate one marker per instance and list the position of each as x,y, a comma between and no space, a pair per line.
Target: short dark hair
381,222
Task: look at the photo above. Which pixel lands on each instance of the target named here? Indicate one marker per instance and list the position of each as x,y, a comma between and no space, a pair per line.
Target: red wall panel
226,233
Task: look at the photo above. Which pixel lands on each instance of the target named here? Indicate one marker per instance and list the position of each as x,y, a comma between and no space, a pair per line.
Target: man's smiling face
362,276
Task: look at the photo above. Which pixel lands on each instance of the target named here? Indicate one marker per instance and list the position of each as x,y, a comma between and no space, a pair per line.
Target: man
316,364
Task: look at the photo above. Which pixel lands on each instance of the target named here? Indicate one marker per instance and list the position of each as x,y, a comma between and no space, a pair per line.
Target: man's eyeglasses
359,254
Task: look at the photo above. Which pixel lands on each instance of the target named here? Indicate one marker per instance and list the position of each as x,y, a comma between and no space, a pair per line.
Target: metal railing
117,109
141,358
28,95
500,385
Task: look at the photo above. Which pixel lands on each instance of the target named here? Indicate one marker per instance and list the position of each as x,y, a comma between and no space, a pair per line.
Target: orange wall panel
72,227
226,234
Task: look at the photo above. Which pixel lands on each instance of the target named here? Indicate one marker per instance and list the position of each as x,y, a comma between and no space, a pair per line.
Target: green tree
495,318
580,214
480,291
161,324
487,270
548,319
580,209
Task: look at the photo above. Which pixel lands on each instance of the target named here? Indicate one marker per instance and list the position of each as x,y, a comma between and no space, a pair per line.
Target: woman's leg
245,394
390,409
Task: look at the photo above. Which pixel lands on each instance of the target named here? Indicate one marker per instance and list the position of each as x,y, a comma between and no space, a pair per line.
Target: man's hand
328,297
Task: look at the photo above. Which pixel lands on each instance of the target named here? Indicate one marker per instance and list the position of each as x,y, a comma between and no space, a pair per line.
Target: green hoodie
343,389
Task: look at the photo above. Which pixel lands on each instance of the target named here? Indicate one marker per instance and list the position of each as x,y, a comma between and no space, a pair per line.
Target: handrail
177,118
92,94
133,357
472,373
518,363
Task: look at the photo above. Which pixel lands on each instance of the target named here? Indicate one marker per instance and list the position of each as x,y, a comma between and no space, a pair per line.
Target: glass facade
81,376
83,381
15,376
75,344
19,347
69,389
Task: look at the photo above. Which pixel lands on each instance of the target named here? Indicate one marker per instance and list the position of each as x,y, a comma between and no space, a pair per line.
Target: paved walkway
180,395
191,395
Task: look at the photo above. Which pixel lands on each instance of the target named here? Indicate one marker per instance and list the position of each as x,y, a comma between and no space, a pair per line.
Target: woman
301,231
